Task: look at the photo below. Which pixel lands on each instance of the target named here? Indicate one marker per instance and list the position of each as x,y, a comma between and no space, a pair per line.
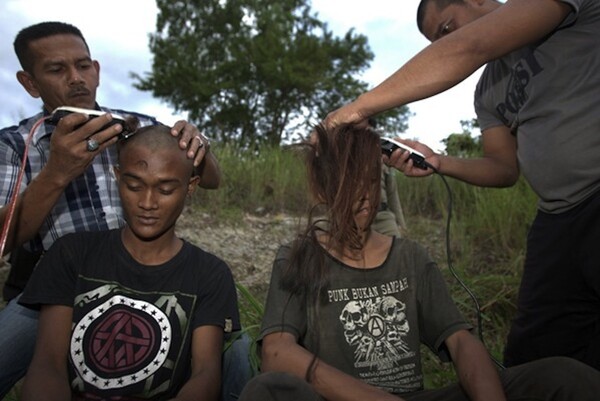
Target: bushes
271,180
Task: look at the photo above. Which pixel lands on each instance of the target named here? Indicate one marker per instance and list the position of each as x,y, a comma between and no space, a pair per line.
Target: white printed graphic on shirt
128,340
376,329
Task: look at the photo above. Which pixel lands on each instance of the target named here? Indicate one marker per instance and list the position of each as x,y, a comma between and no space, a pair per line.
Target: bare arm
476,372
497,168
209,171
204,383
281,353
67,160
47,377
451,59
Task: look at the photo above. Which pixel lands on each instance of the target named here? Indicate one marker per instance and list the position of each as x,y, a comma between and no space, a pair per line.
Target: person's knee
553,378
573,379
569,368
560,370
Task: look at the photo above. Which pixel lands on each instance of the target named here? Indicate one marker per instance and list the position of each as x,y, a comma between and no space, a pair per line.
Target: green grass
271,180
251,312
13,395
487,247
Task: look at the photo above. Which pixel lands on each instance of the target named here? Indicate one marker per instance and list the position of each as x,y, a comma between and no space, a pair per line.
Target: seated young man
133,313
348,307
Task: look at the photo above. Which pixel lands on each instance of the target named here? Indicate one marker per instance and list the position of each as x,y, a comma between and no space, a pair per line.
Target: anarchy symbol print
376,328
120,342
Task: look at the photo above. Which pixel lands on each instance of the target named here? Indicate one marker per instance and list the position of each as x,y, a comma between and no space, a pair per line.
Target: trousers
18,328
550,379
558,308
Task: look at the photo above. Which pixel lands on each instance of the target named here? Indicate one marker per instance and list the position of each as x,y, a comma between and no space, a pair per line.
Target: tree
464,144
253,71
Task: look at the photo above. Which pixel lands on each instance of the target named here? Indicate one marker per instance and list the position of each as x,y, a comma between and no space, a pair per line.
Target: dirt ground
248,245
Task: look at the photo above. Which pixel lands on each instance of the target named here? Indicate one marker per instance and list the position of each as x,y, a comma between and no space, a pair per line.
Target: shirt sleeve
576,6
284,311
438,315
10,163
218,303
54,278
487,117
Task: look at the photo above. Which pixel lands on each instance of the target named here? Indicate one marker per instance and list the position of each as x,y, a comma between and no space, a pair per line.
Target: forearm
209,172
451,59
484,172
202,386
334,385
430,72
45,383
32,208
477,374
205,379
47,377
329,382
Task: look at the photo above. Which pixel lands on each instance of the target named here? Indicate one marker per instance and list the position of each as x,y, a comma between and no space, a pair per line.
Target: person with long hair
348,307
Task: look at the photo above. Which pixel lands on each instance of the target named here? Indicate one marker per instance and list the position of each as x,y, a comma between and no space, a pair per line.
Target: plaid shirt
89,203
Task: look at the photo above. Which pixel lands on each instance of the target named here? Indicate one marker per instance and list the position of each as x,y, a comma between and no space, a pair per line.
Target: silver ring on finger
92,145
203,141
199,138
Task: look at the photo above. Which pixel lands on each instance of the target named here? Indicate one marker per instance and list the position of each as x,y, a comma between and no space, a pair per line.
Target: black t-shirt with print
132,324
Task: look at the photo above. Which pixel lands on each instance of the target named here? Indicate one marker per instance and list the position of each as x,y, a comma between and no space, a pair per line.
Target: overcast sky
117,33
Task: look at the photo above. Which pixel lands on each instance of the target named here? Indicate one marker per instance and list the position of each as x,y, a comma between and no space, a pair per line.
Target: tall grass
486,248
271,180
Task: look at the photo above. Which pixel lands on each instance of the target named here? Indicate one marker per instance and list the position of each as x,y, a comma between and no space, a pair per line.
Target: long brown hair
343,168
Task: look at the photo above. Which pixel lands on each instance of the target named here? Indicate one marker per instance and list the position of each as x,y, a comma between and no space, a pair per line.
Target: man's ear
96,65
193,183
117,172
28,82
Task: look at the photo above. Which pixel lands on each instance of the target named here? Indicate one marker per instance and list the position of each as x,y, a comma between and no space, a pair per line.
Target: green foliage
251,313
13,395
464,144
252,72
272,180
392,122
487,239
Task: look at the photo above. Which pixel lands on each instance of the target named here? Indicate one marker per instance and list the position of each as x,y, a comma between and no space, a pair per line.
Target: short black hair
440,4
154,137
40,31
